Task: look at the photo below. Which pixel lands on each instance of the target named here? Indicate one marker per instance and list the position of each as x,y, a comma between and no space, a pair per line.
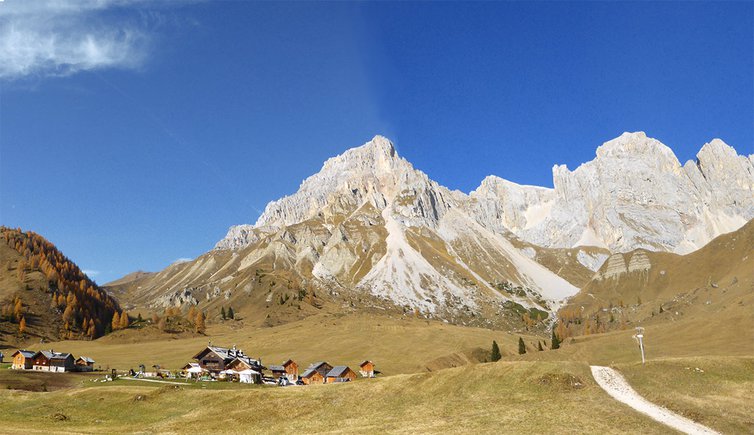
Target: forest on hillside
85,309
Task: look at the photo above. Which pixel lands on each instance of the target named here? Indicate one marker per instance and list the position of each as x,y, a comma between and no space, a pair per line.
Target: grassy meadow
502,397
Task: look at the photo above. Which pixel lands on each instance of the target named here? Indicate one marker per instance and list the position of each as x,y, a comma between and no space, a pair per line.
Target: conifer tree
231,315
222,313
124,321
115,324
539,346
555,344
495,354
521,346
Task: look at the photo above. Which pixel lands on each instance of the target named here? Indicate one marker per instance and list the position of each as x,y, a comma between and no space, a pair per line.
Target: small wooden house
340,374
366,369
321,367
41,360
84,364
22,359
62,362
277,371
311,376
291,370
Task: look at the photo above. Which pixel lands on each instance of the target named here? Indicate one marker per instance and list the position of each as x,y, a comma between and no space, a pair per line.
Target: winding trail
617,387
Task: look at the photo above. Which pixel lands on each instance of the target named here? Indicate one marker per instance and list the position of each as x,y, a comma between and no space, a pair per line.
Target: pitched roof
309,373
364,363
277,368
317,364
57,355
86,359
337,371
25,353
224,353
290,361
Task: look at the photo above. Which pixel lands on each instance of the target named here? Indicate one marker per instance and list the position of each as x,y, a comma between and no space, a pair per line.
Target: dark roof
308,373
317,364
365,362
227,354
61,356
337,371
277,368
288,362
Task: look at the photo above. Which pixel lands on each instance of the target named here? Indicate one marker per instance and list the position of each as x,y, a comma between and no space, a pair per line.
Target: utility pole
639,336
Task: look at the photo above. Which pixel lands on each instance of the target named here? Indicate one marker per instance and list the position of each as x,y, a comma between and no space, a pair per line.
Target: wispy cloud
91,273
183,260
58,37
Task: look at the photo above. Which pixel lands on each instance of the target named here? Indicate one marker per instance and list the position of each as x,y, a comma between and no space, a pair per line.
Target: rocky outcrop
634,194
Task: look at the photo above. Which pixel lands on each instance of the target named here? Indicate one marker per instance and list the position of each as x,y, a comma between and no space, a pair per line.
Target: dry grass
715,391
396,344
487,398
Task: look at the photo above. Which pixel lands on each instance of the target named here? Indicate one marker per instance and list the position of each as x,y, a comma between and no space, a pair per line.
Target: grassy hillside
711,286
397,344
488,398
44,295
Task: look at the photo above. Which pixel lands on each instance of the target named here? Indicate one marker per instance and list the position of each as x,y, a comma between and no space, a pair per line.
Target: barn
22,359
340,374
321,367
311,376
84,364
366,369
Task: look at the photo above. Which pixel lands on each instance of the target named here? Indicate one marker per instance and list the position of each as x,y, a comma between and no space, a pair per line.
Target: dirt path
617,387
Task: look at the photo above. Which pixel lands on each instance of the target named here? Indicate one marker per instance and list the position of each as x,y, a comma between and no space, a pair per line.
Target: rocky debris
639,262
177,298
616,266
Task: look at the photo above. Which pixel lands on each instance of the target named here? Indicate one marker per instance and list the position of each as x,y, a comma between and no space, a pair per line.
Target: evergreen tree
539,346
521,346
139,319
495,355
231,315
222,313
555,341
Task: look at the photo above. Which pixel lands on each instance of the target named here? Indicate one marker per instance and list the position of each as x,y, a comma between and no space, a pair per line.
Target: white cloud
58,38
91,273
182,260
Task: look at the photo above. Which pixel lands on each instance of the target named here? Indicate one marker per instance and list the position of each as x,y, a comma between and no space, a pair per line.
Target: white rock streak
616,386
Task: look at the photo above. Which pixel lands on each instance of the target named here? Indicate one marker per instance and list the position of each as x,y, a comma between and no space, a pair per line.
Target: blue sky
135,133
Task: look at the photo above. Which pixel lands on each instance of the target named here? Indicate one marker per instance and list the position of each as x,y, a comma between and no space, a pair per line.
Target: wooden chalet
217,359
291,370
84,364
311,376
22,359
340,374
41,360
366,369
321,367
62,362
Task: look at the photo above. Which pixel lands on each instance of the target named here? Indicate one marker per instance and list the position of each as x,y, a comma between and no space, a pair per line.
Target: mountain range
369,231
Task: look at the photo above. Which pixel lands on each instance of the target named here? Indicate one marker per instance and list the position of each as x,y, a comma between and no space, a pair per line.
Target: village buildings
50,361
